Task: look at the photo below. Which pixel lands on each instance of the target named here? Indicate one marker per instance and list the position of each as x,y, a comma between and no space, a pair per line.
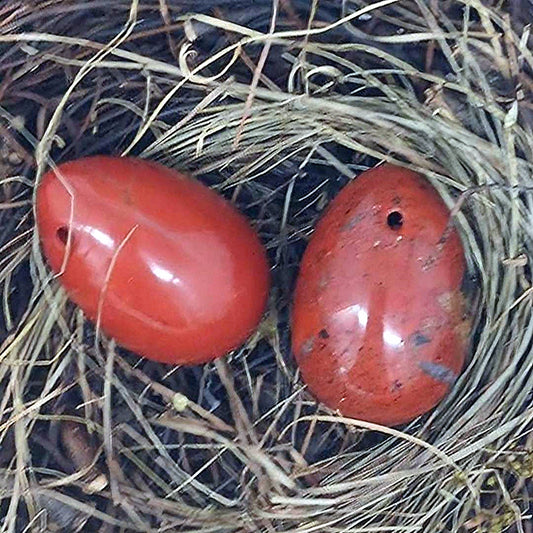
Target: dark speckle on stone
397,385
323,334
438,372
429,262
419,339
443,239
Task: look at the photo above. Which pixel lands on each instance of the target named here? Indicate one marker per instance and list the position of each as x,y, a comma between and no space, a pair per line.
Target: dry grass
95,439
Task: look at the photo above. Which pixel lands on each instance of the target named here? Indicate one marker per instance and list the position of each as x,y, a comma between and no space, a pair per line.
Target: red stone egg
168,268
378,325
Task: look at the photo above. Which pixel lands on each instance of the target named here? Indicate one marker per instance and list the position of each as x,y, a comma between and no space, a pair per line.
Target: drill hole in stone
62,234
395,220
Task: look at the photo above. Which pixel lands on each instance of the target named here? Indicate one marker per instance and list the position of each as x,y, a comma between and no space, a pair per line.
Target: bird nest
277,104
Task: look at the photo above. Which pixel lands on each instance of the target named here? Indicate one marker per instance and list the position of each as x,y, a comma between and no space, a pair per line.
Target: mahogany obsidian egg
170,269
378,324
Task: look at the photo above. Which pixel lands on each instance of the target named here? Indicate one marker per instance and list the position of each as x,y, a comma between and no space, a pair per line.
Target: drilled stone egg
168,267
378,325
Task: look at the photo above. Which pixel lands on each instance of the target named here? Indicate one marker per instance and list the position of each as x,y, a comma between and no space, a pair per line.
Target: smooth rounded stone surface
378,326
168,267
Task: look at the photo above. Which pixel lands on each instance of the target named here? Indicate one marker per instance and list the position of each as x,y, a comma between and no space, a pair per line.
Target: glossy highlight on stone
378,325
173,271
